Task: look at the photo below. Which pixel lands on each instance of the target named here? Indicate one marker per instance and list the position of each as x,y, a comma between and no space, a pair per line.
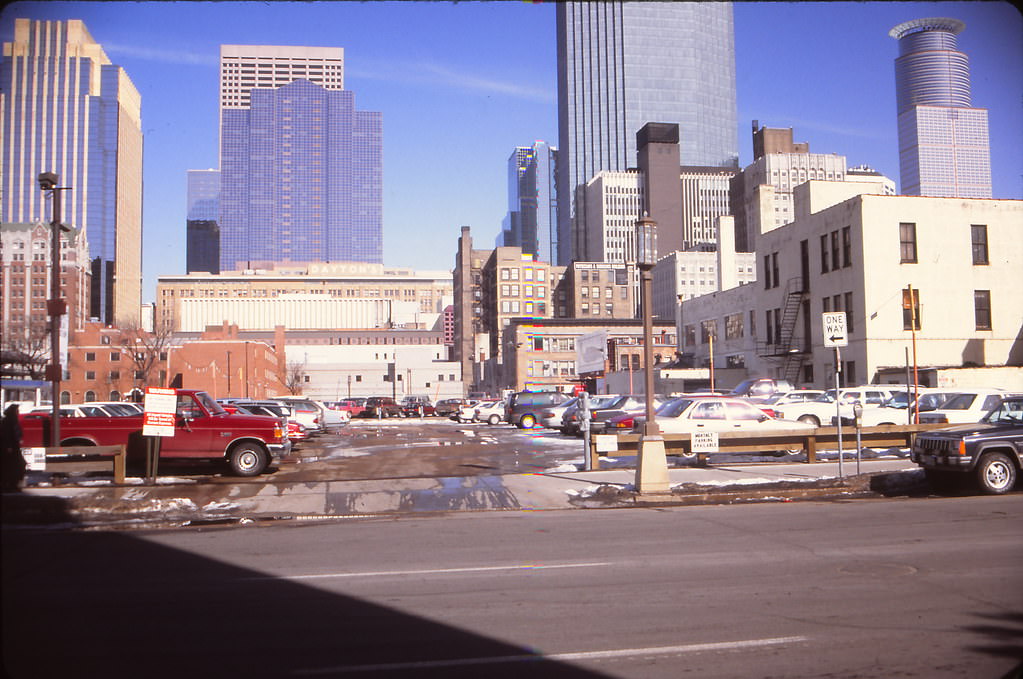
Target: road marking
434,571
585,655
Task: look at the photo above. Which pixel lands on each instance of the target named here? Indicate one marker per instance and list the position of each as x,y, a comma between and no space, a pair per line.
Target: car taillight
627,423
547,413
771,412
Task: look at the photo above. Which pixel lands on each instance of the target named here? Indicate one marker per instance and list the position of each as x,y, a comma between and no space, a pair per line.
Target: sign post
836,336
160,408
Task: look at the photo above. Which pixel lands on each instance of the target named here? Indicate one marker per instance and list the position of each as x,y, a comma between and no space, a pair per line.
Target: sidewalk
183,501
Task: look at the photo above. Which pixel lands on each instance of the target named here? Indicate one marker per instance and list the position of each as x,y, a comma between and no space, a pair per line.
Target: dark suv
381,406
524,407
990,450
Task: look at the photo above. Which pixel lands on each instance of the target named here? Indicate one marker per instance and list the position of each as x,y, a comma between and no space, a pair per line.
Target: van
525,407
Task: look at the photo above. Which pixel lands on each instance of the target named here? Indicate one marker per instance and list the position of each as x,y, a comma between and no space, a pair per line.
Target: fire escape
787,349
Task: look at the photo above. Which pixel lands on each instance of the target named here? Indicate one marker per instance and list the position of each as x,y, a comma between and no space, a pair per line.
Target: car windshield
1007,412
207,402
674,408
959,402
826,397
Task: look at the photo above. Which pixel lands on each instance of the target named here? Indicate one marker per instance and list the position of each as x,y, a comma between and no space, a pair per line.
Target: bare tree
295,377
25,354
147,351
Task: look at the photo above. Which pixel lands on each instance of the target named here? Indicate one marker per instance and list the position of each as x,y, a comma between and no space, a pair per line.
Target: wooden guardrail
743,442
118,454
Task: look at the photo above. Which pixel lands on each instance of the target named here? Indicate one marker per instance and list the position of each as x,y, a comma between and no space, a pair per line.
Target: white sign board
705,442
160,407
590,352
606,443
835,334
35,459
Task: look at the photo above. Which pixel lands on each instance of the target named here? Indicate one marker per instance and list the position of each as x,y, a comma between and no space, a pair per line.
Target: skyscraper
532,218
944,148
301,168
67,109
202,245
624,64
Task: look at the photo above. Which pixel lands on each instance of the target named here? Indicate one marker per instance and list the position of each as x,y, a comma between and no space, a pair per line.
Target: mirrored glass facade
624,64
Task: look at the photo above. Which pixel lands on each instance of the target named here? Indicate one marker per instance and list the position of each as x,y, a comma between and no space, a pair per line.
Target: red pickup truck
203,430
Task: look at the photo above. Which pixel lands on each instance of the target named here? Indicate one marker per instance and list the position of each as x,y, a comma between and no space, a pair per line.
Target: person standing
13,462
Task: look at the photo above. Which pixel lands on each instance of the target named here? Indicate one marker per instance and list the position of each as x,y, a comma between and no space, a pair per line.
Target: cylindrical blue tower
930,69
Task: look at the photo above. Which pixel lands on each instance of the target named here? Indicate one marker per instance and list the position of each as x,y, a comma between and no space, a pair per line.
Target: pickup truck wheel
996,474
248,459
810,419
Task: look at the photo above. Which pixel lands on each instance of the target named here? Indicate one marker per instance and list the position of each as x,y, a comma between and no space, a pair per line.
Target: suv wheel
996,474
527,421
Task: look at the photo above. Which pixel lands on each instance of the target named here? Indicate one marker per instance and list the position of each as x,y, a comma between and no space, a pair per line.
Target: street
921,587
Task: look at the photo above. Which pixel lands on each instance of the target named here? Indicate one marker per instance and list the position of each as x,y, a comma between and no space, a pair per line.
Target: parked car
969,405
524,407
823,408
895,411
570,420
687,415
551,415
296,431
305,411
629,404
771,404
990,450
449,406
466,412
760,387
354,406
78,410
491,412
119,408
417,406
381,407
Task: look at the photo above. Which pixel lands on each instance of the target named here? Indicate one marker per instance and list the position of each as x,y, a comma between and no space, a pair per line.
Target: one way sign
835,334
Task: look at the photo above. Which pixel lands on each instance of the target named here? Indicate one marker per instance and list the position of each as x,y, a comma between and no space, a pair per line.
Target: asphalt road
923,587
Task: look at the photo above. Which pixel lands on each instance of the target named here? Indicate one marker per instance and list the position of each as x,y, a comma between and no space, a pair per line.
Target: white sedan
491,412
689,415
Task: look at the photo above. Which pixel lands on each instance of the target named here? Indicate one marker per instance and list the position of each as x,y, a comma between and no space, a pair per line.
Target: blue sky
461,84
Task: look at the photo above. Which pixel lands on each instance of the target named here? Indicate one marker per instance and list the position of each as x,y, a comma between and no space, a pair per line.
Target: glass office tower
301,169
531,223
67,109
202,245
624,64
944,149
301,179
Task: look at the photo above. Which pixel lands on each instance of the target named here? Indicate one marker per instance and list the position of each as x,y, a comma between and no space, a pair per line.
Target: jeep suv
990,450
524,408
381,407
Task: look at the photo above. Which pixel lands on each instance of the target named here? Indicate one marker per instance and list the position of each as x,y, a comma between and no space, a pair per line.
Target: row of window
908,243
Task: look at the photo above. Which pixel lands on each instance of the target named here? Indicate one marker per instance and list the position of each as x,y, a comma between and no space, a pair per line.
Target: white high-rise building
612,201
244,67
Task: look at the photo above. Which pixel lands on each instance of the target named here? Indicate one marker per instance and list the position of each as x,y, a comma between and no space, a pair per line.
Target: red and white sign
160,407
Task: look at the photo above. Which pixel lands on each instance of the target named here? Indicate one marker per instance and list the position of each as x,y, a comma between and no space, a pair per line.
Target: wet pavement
380,468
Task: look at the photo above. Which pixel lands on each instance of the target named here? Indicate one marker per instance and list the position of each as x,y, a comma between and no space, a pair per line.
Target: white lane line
434,571
586,655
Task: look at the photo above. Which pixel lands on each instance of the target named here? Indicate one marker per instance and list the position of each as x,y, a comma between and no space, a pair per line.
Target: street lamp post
651,462
55,305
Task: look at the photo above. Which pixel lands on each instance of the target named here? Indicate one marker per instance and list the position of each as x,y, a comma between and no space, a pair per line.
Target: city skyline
454,108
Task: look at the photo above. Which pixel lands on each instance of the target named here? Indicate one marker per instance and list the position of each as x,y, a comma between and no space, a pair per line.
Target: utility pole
56,306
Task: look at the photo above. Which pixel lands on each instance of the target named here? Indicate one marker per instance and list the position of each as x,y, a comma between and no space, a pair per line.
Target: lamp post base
652,466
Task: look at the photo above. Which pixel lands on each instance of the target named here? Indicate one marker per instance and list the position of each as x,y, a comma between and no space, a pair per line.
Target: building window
774,269
848,313
978,234
910,309
836,263
846,246
90,356
824,254
767,272
90,375
907,242
850,373
982,308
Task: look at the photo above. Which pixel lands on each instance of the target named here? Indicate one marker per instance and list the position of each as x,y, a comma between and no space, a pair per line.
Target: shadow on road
81,604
